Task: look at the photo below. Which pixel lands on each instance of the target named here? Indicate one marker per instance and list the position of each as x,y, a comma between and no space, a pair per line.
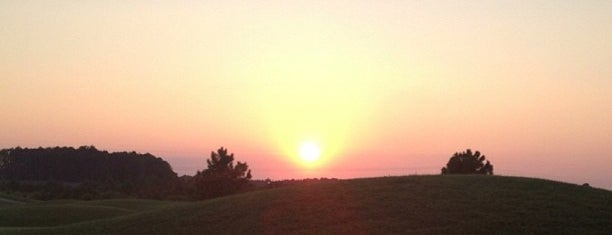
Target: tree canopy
468,162
221,177
92,170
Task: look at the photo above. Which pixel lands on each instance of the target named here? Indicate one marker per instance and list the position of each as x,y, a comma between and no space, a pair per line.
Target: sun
309,152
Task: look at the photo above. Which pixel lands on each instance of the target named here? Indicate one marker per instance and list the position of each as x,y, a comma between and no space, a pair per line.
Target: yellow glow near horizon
315,85
309,152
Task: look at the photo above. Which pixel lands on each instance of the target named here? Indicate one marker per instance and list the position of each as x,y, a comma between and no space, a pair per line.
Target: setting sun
309,151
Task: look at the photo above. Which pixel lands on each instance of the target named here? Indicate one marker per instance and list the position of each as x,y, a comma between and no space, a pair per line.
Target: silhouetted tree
221,177
468,163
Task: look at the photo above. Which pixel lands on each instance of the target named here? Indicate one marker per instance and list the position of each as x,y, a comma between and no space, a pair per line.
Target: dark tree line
88,173
85,163
88,169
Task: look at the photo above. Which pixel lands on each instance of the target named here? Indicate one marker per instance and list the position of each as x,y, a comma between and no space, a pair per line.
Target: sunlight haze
378,87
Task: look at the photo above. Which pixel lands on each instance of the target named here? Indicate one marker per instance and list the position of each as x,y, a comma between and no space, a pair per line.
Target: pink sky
383,87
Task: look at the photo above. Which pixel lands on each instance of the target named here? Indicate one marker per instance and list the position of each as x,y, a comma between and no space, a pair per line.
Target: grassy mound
390,205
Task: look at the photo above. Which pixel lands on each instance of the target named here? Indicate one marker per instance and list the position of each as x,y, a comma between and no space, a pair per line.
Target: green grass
52,215
389,205
62,212
129,204
12,199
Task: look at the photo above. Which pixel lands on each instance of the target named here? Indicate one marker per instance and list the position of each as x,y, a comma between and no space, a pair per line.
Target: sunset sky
381,87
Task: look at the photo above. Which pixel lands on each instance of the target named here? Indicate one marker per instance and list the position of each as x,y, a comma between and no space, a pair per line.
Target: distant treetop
468,162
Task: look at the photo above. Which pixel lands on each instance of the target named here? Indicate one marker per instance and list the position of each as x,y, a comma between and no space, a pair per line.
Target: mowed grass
7,199
389,205
62,212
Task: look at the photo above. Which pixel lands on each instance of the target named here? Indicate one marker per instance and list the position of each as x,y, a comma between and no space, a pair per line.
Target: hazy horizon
382,87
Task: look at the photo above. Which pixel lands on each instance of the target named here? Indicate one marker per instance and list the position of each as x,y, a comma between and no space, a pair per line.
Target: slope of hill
389,205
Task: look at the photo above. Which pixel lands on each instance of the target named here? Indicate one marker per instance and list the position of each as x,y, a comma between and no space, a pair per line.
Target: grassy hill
389,205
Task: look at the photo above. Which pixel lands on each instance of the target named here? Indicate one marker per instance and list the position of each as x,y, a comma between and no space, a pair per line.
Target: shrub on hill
468,163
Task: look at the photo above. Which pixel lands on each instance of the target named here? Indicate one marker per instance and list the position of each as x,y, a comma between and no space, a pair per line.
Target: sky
381,87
